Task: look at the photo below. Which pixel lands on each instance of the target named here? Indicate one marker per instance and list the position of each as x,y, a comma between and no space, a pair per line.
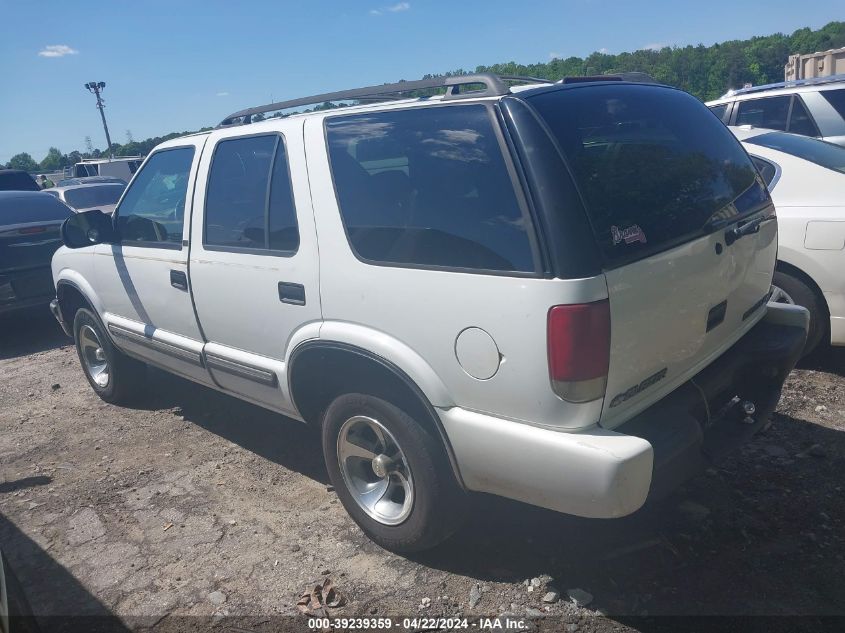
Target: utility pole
95,87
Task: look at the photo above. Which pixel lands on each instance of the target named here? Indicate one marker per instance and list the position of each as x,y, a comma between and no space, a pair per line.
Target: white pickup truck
555,293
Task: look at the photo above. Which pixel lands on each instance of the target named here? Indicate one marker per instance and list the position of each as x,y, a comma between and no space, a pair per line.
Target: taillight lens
32,230
579,350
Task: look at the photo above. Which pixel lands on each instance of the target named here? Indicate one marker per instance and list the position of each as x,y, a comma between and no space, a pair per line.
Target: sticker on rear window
629,235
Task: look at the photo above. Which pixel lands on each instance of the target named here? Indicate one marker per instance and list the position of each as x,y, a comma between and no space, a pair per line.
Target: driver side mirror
88,228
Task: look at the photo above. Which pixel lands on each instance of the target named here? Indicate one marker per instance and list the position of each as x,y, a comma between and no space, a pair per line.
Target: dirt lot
196,503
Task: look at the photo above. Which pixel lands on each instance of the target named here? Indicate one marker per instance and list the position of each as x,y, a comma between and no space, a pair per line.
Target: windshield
654,167
87,197
819,152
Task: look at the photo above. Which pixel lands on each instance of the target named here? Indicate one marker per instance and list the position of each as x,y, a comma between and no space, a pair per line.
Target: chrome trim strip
241,370
159,346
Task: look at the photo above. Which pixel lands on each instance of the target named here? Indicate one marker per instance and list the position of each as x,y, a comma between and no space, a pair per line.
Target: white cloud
395,8
57,50
554,55
223,94
604,51
656,46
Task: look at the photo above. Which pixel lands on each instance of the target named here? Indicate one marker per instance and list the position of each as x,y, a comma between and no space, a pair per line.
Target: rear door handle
178,279
292,293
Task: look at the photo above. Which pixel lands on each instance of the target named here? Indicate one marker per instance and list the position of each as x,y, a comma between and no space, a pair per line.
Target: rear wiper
748,228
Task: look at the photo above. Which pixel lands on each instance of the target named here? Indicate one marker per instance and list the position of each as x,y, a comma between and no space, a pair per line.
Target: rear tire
790,289
113,376
391,474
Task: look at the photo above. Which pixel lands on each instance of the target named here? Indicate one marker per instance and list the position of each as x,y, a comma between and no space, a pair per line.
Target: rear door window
249,203
429,187
654,168
770,112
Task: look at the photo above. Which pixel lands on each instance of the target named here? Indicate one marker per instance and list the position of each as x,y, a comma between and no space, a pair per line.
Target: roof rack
792,83
494,86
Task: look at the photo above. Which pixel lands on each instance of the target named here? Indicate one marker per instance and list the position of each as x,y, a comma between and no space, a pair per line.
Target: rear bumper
24,289
604,474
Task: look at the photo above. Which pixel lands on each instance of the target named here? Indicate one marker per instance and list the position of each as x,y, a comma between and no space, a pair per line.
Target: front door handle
292,293
178,279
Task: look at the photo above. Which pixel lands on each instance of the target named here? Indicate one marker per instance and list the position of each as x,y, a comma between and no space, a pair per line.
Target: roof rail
494,86
792,83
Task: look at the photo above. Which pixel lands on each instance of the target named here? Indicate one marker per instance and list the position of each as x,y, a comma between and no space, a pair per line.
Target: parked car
17,180
807,180
102,196
65,182
555,293
29,235
122,167
810,107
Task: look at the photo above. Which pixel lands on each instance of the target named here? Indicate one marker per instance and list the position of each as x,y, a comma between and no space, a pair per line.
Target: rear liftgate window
428,187
655,168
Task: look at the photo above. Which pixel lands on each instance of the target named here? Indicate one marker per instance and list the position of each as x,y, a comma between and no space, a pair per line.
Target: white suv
809,107
554,293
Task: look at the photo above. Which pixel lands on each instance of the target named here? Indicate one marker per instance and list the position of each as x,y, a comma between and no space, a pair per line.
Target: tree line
704,71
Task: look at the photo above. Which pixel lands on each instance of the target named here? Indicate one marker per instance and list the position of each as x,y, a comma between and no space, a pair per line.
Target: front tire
113,376
391,474
789,289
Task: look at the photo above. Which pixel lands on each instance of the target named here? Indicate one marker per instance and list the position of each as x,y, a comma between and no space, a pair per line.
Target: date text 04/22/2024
501,623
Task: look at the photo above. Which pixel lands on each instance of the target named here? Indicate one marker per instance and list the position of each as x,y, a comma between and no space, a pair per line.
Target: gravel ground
194,503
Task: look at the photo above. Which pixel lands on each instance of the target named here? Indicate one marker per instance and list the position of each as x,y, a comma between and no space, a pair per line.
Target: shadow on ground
829,359
760,535
50,588
270,435
28,332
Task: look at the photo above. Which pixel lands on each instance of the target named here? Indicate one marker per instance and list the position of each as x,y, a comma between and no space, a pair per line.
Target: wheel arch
71,297
795,271
321,370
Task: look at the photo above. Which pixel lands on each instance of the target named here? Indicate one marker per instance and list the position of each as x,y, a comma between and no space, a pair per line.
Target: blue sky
181,64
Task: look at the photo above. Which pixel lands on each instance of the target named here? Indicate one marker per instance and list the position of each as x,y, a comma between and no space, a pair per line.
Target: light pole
95,87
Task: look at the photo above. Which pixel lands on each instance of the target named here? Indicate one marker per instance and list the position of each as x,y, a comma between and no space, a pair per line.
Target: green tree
54,160
22,161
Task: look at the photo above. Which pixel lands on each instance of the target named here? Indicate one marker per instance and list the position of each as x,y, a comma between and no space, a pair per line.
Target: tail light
32,230
579,350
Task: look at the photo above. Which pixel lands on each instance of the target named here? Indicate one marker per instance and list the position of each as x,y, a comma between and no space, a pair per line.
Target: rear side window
771,112
719,110
836,98
22,209
767,170
653,167
814,150
428,187
249,203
